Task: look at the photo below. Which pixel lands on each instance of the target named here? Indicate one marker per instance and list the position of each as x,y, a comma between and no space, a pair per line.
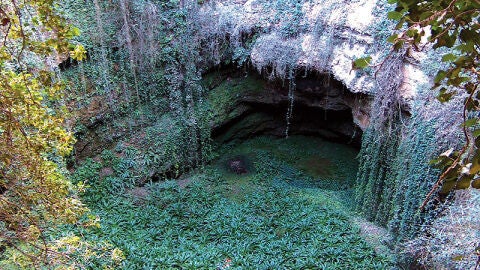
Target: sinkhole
265,202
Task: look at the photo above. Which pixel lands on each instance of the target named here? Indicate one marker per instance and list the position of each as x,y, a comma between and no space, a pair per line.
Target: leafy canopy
34,193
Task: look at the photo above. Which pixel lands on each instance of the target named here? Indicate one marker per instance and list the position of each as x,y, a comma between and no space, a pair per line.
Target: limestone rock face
324,36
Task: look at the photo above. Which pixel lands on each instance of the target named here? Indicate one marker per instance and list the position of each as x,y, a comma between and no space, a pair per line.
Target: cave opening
322,107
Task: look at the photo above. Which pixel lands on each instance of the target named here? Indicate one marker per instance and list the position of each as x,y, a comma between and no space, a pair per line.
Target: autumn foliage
34,193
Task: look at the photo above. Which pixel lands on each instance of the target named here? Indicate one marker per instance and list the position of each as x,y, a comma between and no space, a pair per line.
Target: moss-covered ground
283,211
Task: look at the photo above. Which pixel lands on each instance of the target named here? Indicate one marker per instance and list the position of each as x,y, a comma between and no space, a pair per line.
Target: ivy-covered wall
395,176
396,172
140,86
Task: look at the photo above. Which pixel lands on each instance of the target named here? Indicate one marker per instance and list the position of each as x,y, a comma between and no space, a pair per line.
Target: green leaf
457,81
469,35
400,23
450,40
458,258
397,46
466,47
394,15
471,104
78,53
476,184
411,32
72,32
440,76
470,87
392,38
425,15
362,63
445,96
475,168
76,31
444,40
450,57
464,181
470,122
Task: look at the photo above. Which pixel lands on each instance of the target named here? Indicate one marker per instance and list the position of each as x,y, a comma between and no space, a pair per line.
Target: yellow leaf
79,53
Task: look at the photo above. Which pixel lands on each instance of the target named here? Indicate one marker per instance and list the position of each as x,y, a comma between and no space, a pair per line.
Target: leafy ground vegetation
264,204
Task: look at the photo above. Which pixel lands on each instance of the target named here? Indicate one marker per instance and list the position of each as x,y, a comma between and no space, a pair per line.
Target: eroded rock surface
319,36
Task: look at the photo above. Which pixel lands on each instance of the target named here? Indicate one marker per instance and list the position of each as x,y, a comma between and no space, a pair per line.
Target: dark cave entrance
323,107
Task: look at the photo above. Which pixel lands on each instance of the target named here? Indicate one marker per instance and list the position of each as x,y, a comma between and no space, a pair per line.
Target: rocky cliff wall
307,36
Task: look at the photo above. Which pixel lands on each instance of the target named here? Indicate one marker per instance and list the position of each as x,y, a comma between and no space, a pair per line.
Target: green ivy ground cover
284,212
